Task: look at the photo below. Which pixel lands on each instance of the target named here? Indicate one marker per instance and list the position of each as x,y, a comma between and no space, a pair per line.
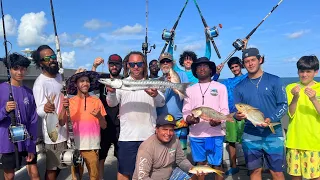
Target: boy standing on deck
303,153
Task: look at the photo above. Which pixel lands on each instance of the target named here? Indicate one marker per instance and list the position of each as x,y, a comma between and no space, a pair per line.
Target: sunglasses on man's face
132,64
111,64
165,61
48,58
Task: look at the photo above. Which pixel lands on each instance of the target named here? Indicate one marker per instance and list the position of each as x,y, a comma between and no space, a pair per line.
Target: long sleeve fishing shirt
155,159
137,113
25,113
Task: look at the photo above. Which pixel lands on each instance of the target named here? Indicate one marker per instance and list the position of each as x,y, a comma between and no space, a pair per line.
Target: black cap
165,119
201,60
250,52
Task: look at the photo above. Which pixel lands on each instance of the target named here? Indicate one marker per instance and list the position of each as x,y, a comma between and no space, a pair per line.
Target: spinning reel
238,44
18,133
212,32
167,35
71,157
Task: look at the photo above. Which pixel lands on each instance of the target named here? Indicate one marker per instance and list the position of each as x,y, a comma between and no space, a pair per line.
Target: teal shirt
193,80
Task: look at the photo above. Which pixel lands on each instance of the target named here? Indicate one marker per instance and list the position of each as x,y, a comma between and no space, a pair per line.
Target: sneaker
232,171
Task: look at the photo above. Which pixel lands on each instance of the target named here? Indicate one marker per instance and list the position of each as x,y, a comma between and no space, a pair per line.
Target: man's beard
165,70
51,70
114,74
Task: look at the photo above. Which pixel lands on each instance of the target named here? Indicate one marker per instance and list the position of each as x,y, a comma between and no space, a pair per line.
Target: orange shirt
86,127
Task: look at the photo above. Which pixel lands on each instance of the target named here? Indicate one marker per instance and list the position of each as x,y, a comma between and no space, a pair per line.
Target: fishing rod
17,131
168,36
145,44
69,157
210,33
239,44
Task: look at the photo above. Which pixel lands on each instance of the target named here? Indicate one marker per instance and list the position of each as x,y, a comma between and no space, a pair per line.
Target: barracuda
134,85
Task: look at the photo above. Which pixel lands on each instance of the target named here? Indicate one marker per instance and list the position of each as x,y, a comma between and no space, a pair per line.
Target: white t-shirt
137,113
46,86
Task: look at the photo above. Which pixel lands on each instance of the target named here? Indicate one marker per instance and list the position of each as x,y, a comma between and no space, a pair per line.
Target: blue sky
88,29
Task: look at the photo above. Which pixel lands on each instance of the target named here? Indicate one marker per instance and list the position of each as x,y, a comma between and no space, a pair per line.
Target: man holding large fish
261,100
48,98
206,134
173,102
137,113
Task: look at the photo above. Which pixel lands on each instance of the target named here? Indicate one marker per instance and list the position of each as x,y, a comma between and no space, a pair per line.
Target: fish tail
181,95
271,128
182,88
220,173
230,117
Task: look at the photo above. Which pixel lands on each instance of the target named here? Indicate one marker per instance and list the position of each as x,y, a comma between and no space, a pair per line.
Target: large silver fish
254,115
134,85
207,114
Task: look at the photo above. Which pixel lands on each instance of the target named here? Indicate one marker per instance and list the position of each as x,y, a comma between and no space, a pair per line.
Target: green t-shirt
304,125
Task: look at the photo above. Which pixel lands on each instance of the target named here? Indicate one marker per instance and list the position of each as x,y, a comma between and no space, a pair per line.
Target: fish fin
182,87
271,128
255,124
220,173
275,124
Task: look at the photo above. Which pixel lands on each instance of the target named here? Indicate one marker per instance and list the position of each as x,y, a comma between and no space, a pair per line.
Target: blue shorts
207,149
127,153
256,149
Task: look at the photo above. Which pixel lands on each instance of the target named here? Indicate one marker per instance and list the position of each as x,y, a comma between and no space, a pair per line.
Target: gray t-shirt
155,159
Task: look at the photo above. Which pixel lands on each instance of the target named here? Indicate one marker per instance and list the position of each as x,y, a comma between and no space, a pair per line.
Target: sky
99,28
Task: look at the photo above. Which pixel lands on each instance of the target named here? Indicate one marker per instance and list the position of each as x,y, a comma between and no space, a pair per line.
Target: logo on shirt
26,101
172,152
214,92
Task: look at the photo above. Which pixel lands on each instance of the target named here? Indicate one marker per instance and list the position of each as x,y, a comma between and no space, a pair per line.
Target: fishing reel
167,35
212,32
18,133
238,44
71,157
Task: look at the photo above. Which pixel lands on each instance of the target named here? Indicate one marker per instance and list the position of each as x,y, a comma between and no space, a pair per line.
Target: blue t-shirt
231,83
270,98
193,80
173,103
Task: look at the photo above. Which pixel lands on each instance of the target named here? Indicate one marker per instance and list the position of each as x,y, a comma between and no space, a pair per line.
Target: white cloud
137,28
68,59
124,37
11,25
95,24
82,43
297,34
293,59
193,46
30,30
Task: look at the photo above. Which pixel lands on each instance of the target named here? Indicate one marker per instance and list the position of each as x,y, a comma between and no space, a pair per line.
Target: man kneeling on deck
157,155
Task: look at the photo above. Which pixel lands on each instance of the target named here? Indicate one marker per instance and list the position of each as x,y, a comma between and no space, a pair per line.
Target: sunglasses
165,61
48,58
111,64
132,64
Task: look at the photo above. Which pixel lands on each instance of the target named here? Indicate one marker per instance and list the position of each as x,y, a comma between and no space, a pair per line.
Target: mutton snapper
174,78
134,85
205,169
254,115
207,113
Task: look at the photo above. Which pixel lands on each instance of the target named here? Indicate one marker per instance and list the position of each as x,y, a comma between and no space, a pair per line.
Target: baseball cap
115,58
250,52
165,119
165,56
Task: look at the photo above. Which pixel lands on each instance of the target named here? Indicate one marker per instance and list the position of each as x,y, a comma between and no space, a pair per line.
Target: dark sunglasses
111,64
165,61
48,58
132,64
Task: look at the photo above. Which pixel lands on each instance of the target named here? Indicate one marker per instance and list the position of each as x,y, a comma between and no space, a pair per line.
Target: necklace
257,85
204,92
